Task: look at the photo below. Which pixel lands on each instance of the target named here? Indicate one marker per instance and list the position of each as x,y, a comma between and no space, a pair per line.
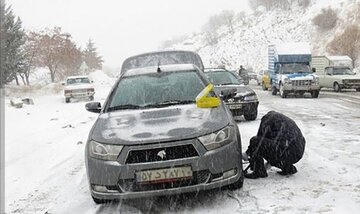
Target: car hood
78,86
128,127
241,90
348,77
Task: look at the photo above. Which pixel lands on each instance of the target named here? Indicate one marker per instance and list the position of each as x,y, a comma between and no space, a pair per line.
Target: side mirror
228,93
94,107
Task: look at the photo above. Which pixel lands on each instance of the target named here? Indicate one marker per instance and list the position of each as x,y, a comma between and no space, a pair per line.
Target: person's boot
288,170
259,170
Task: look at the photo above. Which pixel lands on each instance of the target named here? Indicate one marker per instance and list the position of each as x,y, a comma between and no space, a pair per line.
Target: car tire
67,100
301,93
315,94
281,91
273,90
238,184
264,86
337,87
358,89
251,116
100,201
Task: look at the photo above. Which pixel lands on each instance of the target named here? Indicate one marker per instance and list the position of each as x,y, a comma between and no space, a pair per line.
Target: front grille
79,90
161,154
130,185
352,81
301,82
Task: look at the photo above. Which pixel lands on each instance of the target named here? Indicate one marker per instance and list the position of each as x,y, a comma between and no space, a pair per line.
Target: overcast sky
121,28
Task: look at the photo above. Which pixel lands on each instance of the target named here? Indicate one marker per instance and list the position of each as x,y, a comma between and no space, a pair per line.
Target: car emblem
162,154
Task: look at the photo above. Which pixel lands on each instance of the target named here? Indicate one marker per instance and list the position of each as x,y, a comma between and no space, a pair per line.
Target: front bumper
80,94
241,108
119,178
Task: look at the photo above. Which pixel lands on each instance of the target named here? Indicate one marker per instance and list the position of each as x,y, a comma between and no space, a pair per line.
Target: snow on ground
45,170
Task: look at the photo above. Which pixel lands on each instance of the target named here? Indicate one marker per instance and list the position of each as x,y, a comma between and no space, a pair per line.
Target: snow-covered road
45,170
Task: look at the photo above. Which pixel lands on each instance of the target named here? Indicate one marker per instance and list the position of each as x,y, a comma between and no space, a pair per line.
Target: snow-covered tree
91,57
12,38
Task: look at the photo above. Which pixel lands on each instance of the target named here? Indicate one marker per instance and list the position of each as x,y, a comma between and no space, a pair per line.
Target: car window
294,68
342,71
77,81
143,90
222,78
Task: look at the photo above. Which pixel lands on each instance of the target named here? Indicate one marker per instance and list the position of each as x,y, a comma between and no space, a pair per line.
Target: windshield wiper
126,106
169,103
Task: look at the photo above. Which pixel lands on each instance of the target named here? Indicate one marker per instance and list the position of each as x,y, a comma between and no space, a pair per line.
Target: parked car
265,81
153,137
338,77
252,75
241,100
78,87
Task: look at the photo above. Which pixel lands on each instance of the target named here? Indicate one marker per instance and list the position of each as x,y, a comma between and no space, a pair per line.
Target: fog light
229,173
99,188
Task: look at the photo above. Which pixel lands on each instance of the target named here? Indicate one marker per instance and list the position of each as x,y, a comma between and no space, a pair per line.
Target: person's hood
241,90
127,127
79,86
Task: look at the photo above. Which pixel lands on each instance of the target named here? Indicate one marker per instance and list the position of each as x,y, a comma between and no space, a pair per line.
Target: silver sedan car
152,139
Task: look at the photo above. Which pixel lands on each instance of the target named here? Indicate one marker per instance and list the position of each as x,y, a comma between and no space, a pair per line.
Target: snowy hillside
248,44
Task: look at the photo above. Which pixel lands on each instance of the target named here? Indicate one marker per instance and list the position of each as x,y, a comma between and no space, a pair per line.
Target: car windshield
157,90
294,68
342,71
81,80
222,78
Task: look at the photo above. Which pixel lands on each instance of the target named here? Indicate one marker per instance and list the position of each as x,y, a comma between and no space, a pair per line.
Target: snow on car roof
336,58
293,48
75,77
163,68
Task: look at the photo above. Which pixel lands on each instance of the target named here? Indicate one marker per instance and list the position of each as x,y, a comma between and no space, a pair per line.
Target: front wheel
282,91
273,90
337,87
67,100
314,94
238,184
251,116
264,86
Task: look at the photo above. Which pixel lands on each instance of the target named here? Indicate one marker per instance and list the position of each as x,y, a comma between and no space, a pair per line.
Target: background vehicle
162,58
252,75
241,101
289,70
336,72
78,87
152,139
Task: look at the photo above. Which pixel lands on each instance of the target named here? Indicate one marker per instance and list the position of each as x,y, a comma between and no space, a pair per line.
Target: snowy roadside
45,170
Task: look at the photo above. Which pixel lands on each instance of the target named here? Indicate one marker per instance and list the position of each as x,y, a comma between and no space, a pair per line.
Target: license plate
164,175
238,106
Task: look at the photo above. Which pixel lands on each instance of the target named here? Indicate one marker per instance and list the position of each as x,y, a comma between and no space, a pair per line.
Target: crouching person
279,141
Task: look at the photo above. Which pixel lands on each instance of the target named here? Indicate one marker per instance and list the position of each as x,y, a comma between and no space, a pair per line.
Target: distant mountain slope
247,45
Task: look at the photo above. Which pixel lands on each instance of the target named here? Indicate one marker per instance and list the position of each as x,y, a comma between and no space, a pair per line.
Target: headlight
104,151
251,97
287,80
218,139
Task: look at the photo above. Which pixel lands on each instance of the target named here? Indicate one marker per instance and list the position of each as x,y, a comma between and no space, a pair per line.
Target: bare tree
326,20
347,43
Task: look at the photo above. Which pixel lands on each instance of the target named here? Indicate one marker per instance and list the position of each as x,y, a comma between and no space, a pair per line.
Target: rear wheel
263,86
314,94
337,87
282,92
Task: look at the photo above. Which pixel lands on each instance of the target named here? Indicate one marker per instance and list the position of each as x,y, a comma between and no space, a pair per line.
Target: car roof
163,68
75,77
207,70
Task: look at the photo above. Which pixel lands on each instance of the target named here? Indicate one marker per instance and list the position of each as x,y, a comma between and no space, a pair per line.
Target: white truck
289,70
336,72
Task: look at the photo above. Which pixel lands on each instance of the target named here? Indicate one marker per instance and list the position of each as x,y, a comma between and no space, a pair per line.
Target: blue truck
290,71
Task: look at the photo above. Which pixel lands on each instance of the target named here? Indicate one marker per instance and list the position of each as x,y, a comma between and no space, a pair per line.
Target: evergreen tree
91,58
12,38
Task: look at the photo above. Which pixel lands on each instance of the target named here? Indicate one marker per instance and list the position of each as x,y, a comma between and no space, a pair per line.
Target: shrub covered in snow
326,20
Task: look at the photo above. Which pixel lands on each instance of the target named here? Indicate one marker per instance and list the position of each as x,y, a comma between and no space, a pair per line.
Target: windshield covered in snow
342,71
294,68
222,78
156,90
80,80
